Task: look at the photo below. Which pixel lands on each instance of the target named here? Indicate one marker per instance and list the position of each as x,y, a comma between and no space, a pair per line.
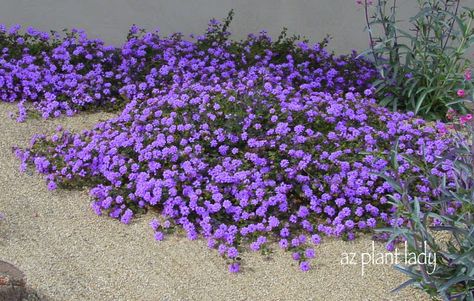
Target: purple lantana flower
305,266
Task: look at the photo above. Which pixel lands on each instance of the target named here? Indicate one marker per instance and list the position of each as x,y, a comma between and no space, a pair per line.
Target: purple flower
316,239
232,252
273,221
295,242
390,247
52,186
283,243
211,243
154,224
296,256
222,249
254,246
234,267
305,266
127,216
284,232
309,253
159,236
261,240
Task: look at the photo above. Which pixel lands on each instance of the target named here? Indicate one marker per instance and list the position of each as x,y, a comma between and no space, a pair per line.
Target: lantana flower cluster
244,166
57,75
243,144
62,74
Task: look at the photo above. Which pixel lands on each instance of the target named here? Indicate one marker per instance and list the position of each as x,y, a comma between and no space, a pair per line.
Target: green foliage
420,62
449,236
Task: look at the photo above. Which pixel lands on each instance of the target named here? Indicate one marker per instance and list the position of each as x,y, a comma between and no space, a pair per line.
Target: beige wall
110,19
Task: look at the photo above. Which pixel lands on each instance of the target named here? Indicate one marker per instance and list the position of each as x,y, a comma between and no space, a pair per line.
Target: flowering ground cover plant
53,74
57,75
240,142
241,169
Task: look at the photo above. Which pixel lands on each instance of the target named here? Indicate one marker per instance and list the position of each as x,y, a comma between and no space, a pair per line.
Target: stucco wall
110,19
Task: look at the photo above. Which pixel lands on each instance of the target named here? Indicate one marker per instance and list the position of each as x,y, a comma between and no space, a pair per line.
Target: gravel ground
69,253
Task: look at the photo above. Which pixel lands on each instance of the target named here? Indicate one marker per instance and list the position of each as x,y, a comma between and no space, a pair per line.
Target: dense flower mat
242,143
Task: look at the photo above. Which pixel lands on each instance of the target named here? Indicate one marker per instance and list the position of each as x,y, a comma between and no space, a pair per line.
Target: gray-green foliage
453,276
420,60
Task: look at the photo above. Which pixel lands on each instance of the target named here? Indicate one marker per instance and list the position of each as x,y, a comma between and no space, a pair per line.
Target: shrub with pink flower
465,118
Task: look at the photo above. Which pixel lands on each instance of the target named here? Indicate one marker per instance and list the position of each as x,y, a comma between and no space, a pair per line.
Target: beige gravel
68,253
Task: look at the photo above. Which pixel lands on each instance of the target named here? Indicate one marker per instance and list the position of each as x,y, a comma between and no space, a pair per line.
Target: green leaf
422,97
467,254
406,270
453,281
403,285
412,86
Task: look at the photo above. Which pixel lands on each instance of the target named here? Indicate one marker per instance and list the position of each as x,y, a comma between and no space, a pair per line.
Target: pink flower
450,114
465,118
461,93
468,74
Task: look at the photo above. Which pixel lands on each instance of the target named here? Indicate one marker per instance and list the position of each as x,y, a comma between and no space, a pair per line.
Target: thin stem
452,25
395,35
383,17
369,29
